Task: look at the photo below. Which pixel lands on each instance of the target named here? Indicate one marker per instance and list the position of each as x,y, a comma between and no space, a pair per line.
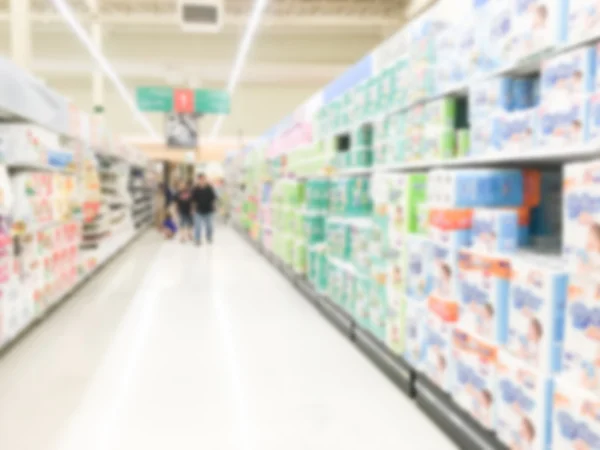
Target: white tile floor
175,347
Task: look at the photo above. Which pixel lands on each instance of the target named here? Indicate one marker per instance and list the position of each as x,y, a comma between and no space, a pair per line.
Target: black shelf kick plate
457,424
394,366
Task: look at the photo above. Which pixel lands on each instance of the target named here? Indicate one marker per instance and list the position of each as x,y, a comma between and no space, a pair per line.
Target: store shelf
456,423
40,167
352,172
536,157
107,256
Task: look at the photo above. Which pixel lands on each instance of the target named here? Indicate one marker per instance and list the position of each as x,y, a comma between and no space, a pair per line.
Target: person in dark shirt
183,200
203,199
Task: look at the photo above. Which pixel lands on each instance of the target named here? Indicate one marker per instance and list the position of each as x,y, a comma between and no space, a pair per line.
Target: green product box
361,255
358,196
314,228
387,88
406,193
338,240
463,142
441,113
323,271
363,137
317,194
361,157
300,257
439,144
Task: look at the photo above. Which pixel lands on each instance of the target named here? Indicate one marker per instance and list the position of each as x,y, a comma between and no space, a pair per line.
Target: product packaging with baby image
483,295
498,230
581,348
523,405
537,297
474,385
576,418
415,330
437,353
418,261
581,217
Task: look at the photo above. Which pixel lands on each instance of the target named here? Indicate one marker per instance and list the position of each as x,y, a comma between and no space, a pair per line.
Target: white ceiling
301,45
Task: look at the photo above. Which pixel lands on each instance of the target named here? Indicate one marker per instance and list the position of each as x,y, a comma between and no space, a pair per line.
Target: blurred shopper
204,199
183,200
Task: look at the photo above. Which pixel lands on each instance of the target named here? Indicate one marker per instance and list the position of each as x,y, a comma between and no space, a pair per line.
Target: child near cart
169,228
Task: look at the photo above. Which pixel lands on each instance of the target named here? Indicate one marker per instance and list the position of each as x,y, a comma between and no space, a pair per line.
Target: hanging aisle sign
165,99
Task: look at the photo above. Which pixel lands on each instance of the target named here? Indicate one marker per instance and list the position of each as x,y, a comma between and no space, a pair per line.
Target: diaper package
470,188
416,335
444,271
474,384
497,229
406,193
583,20
523,405
571,73
483,299
593,117
450,227
485,132
517,131
576,417
581,348
418,262
581,217
536,307
539,25
396,328
562,124
437,353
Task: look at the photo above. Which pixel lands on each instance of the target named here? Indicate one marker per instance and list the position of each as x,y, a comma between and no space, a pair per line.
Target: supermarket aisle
185,348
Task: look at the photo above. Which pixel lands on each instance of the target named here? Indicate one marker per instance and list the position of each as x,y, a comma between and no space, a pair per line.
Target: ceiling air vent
201,16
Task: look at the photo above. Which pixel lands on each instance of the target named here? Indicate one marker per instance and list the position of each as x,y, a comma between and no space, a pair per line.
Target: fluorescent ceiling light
240,59
67,13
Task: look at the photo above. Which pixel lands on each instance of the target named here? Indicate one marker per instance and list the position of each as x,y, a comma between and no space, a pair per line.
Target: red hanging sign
183,101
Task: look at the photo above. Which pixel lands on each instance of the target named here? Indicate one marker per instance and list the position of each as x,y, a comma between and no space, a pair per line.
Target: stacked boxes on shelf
315,214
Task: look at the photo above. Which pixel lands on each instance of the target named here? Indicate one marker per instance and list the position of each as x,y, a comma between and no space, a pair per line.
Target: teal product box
314,228
338,240
362,310
362,157
335,283
363,137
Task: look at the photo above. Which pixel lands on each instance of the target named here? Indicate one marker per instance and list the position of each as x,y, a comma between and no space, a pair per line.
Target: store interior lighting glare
67,13
240,59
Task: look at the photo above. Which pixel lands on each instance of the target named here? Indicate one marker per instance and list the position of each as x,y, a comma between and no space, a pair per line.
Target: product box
562,124
576,417
539,26
583,20
571,73
396,327
416,333
449,227
470,188
537,298
517,131
496,229
581,348
474,384
444,271
397,280
483,295
489,96
484,134
523,405
438,361
362,304
581,217
418,262
378,306
406,193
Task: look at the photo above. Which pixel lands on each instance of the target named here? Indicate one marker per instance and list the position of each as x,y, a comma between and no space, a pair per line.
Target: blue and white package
485,134
523,405
575,417
474,384
583,21
471,188
444,271
416,335
581,218
437,361
518,131
418,262
538,25
581,348
495,230
572,72
537,299
522,93
562,124
483,299
491,95
593,115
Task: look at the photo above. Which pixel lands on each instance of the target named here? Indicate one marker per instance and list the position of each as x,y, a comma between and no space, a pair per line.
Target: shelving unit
418,120
55,213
